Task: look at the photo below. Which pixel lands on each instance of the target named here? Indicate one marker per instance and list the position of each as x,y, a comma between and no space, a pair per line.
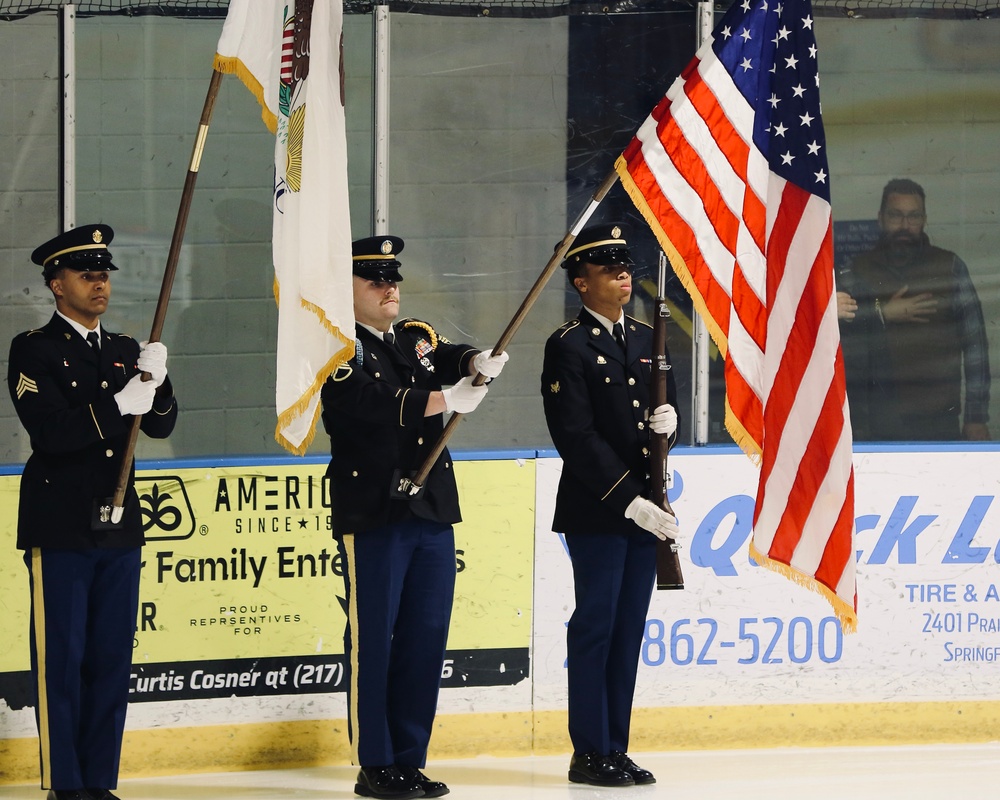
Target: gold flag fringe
342,356
286,417
680,267
741,436
676,260
231,65
684,322
845,613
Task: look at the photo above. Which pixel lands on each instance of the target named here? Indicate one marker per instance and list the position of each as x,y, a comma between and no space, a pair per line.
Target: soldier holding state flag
76,388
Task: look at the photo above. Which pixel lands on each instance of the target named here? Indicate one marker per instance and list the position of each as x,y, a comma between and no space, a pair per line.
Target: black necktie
388,338
619,334
94,341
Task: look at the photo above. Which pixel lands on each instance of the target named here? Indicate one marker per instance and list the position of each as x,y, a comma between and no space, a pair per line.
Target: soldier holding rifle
595,388
76,388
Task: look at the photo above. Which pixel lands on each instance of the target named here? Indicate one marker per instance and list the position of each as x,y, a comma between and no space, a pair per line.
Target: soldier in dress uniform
595,390
76,388
383,411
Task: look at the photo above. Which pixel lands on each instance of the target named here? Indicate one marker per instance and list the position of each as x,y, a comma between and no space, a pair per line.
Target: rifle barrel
668,564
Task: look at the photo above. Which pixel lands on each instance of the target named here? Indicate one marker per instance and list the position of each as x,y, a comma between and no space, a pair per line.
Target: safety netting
875,9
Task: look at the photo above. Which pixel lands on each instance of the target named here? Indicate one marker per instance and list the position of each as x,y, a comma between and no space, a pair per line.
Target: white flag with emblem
287,52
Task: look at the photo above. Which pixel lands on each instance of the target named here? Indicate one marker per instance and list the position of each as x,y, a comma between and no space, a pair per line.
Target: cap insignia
616,232
97,236
554,387
386,247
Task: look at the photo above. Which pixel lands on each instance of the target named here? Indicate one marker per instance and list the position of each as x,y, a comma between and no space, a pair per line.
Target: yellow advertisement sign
242,587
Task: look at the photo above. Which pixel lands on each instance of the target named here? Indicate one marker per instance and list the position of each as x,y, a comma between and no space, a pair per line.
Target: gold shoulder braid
416,323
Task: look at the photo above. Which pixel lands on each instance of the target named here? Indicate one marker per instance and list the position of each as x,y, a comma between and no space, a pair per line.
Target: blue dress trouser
613,576
400,582
83,616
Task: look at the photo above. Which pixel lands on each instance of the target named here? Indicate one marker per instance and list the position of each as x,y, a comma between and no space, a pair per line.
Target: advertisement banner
242,593
928,544
242,590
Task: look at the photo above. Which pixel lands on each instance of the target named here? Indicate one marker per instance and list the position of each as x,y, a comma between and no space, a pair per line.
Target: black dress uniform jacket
373,410
63,391
596,403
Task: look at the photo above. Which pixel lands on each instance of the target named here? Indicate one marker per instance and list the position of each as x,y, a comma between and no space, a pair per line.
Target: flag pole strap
412,486
173,257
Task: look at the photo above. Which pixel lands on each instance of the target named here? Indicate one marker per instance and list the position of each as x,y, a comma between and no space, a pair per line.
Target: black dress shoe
629,767
426,785
102,794
597,770
386,782
68,794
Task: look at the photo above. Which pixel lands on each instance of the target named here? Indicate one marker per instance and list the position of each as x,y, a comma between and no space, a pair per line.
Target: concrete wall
477,186
477,161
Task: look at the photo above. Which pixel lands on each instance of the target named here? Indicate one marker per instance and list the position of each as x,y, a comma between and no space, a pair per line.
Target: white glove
153,359
663,420
489,366
652,518
463,397
136,398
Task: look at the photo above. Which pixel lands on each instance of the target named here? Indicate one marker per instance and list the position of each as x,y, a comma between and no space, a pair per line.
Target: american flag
730,172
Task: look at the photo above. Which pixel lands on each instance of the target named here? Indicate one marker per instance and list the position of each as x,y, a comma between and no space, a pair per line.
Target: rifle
668,563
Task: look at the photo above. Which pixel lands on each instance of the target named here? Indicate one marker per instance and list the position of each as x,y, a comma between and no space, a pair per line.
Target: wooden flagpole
173,256
412,486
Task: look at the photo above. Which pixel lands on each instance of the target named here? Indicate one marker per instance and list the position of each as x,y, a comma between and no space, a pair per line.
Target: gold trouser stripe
352,614
38,602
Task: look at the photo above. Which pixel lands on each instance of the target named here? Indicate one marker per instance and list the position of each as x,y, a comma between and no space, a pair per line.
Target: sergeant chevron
239,567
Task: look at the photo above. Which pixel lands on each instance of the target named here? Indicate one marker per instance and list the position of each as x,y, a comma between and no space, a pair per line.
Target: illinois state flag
288,53
730,172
